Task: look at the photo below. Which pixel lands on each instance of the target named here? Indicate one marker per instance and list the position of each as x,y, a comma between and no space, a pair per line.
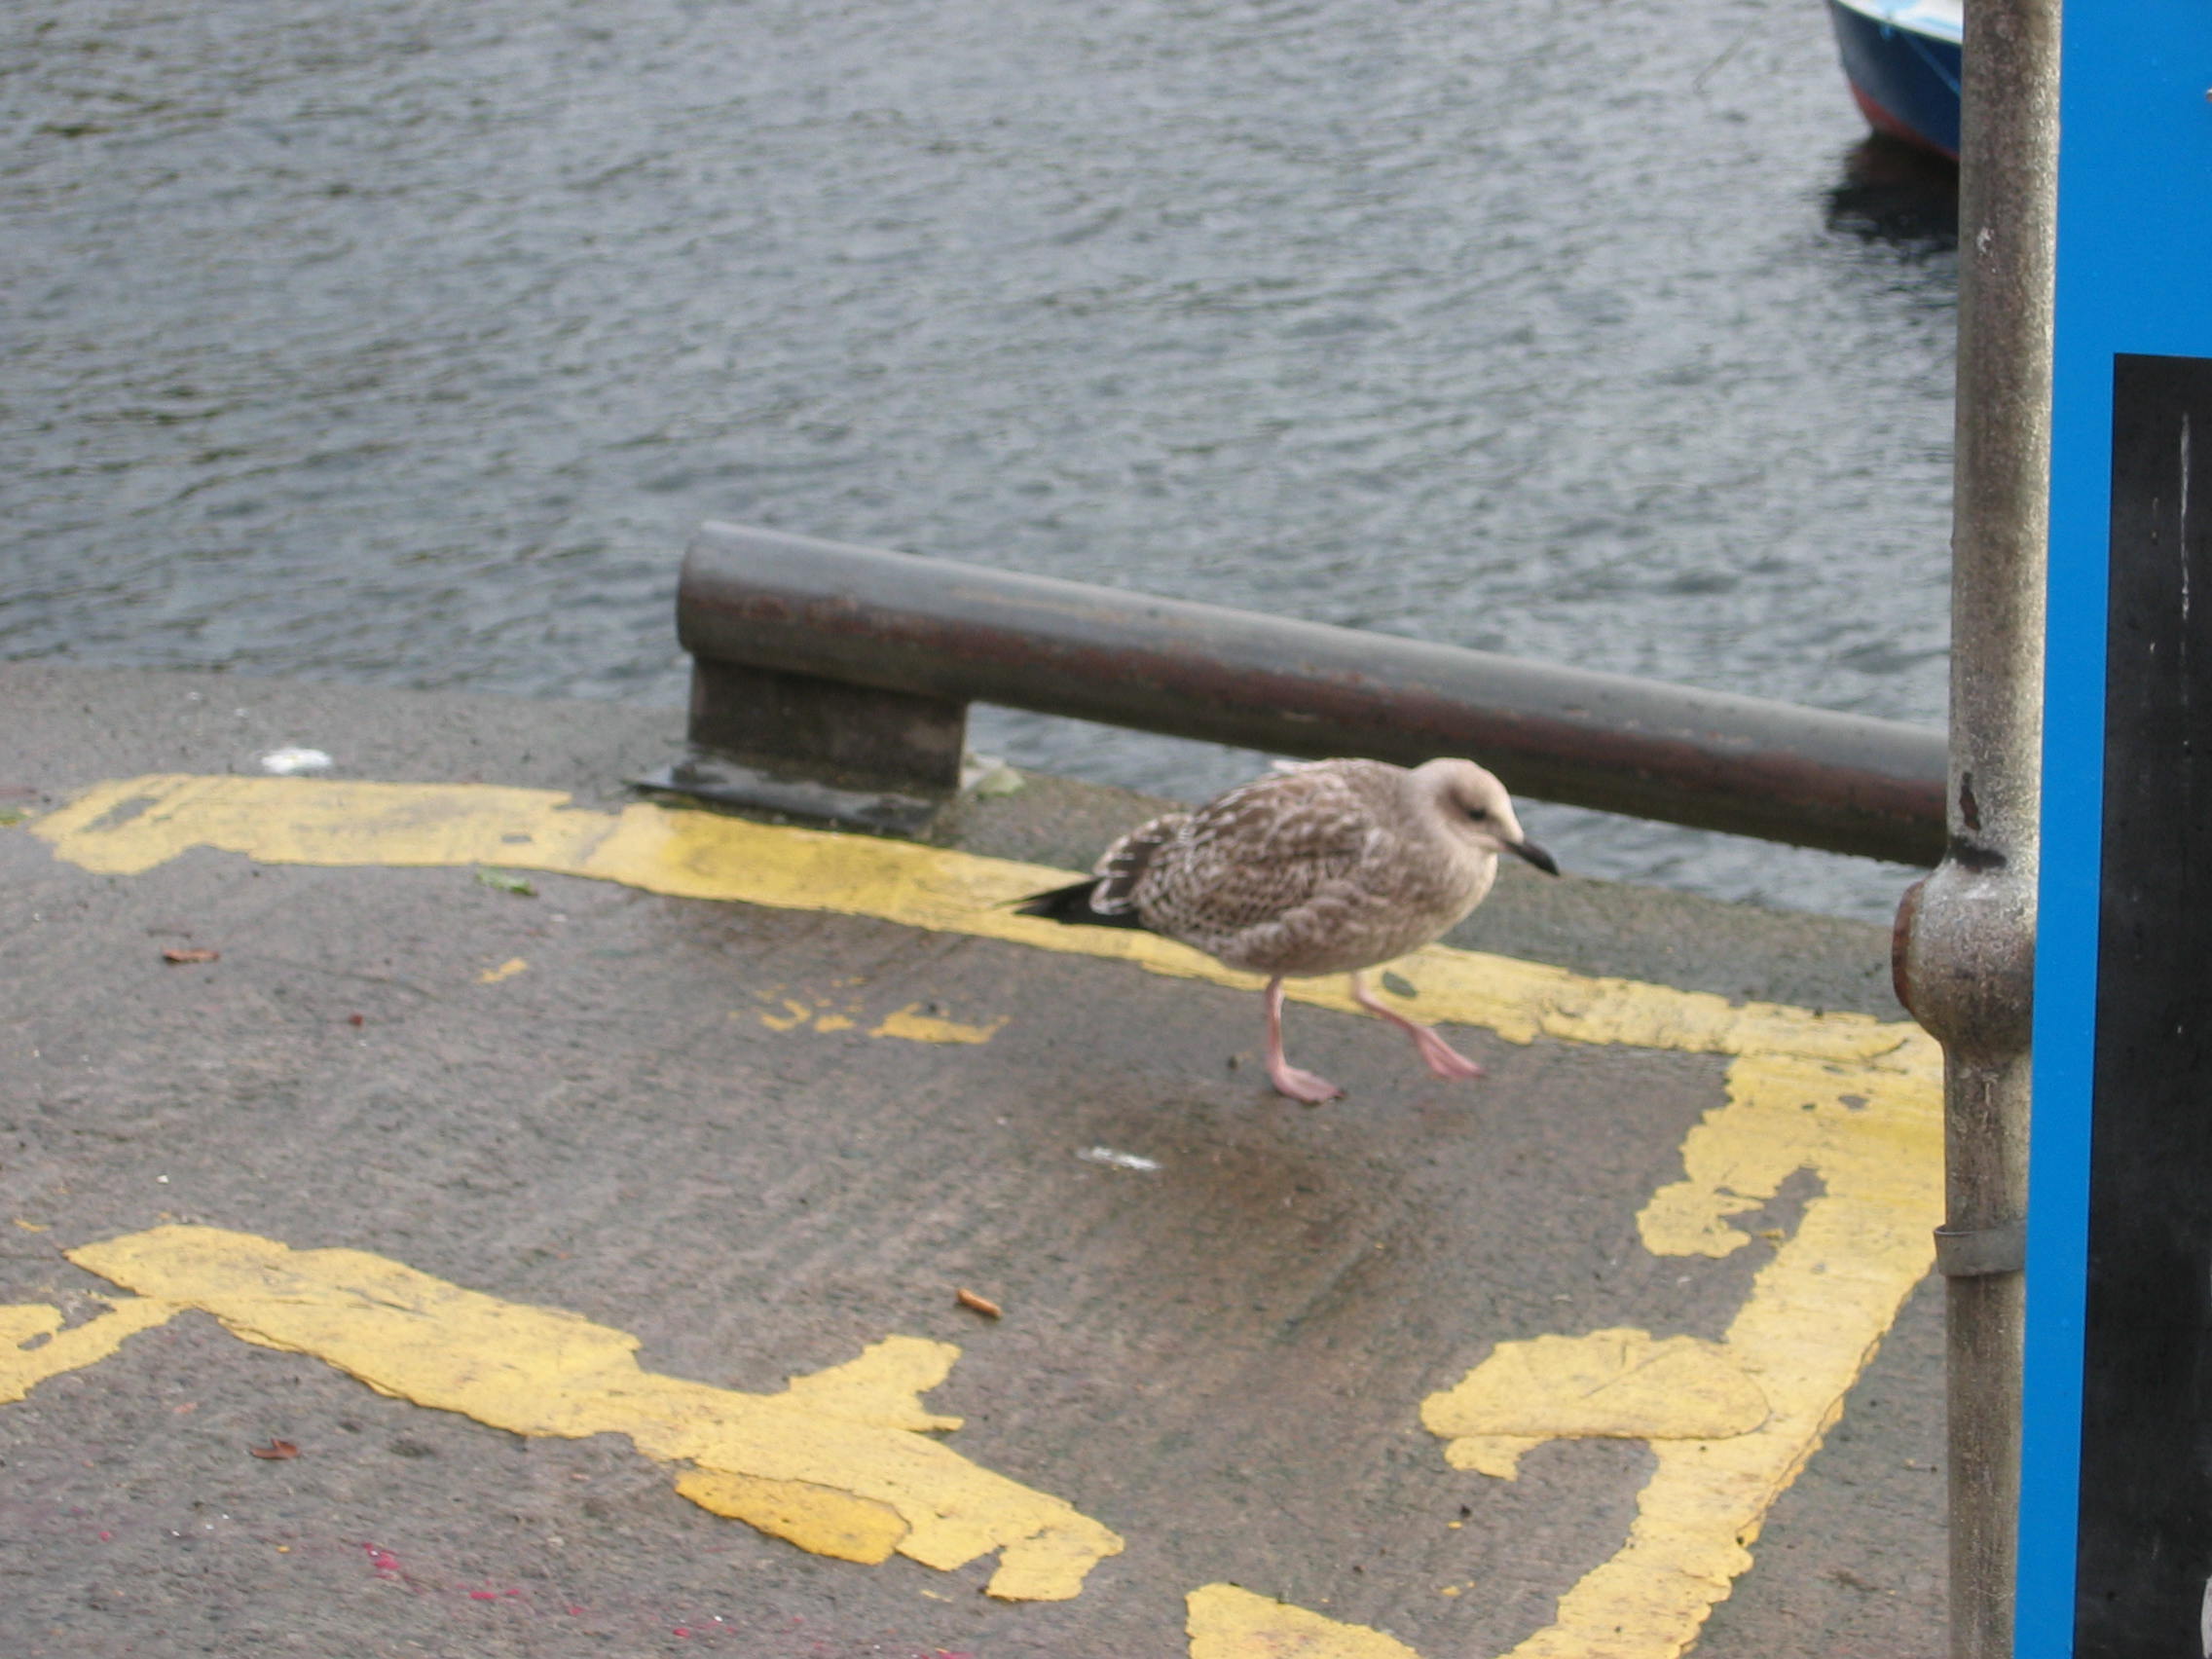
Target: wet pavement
428,1268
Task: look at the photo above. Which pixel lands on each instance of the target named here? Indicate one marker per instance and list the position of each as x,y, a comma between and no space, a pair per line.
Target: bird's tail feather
1073,906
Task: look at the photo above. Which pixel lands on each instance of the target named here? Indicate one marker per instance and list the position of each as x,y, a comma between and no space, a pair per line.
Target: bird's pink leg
1301,1085
1439,1055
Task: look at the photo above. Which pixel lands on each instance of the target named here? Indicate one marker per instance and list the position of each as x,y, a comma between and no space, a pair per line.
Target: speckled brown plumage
1323,869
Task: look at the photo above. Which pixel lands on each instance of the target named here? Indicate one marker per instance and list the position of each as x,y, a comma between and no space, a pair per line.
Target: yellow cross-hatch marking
1853,1099
838,1464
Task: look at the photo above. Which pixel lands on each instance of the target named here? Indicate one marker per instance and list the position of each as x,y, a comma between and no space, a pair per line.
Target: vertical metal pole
1967,934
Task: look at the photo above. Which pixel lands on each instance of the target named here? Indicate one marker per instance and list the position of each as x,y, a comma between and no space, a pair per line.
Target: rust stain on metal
935,628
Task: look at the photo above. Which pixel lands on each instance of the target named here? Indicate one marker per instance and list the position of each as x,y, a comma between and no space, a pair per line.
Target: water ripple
392,341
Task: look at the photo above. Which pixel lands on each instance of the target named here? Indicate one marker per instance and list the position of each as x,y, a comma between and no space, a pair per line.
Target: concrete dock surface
454,1205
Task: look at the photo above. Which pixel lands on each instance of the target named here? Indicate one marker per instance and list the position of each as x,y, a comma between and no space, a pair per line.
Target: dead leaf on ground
505,881
176,953
982,1304
276,1449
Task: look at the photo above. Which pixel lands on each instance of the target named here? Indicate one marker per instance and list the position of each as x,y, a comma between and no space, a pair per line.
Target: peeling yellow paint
23,1369
31,1226
815,1013
883,1386
1810,1324
1732,1424
506,970
909,1023
1497,1455
136,823
1871,1130
816,1518
1814,1313
124,828
915,1026
798,1014
1225,1622
1620,1384
830,1463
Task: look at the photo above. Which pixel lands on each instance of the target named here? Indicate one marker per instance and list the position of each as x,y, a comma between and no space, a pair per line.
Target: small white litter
1113,1159
286,762
987,776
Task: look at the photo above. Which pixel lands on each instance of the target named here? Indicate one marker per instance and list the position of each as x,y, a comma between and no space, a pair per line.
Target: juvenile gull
1330,868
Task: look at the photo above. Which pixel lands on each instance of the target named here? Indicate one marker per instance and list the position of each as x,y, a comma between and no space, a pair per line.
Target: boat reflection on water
1897,192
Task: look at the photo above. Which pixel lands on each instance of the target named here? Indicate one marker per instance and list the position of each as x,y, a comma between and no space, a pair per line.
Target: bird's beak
1535,855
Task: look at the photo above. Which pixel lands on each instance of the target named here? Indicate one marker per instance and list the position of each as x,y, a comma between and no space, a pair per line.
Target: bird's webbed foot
1305,1087
1441,1057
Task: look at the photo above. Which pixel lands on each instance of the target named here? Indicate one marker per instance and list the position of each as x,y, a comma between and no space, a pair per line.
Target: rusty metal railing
834,681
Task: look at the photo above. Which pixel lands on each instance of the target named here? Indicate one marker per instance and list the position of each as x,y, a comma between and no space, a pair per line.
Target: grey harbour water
404,343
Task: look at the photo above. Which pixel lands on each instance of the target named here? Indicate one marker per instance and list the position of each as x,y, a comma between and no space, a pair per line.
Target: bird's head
1476,806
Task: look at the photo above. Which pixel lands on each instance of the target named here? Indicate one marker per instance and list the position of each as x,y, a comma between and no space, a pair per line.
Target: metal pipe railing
857,665
1966,936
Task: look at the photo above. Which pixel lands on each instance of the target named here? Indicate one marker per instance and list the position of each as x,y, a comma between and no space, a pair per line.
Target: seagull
1332,866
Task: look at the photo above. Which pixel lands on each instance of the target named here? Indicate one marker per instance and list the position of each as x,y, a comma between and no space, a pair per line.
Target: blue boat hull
1906,83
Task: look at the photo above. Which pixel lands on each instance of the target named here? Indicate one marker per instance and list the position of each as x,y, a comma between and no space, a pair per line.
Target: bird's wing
1260,852
1121,867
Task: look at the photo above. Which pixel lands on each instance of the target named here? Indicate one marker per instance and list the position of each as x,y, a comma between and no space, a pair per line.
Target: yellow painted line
1731,1423
1226,1622
838,1464
912,1025
506,970
1853,1099
136,823
22,1369
1620,1384
1807,1329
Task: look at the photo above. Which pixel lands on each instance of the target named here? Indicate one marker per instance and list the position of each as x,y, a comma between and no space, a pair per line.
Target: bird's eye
1478,813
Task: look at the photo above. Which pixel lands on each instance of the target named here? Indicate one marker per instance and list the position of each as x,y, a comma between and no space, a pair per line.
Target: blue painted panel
2134,276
